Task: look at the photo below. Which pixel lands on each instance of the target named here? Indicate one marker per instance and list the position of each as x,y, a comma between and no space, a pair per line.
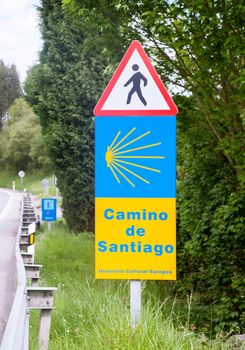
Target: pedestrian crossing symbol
136,82
135,89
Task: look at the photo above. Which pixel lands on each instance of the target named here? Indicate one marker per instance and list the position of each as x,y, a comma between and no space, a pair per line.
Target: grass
94,314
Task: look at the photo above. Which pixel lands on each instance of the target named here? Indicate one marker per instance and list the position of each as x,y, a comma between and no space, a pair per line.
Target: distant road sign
49,209
21,173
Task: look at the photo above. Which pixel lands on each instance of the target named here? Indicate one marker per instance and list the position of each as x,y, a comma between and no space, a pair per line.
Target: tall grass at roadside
94,314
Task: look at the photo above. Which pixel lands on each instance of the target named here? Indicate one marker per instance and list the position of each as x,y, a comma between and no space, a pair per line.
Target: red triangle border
135,45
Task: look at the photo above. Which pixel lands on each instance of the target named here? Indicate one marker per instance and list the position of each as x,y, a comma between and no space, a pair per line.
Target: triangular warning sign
135,89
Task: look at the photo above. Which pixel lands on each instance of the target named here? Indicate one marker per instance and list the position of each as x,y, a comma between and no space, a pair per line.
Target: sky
20,38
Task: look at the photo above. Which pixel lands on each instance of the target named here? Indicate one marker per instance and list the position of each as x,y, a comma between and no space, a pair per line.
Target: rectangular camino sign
135,239
135,198
135,174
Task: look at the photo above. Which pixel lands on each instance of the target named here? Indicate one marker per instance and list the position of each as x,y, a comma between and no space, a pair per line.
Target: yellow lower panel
135,238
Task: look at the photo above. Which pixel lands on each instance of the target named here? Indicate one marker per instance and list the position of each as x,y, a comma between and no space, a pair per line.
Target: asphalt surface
4,197
9,222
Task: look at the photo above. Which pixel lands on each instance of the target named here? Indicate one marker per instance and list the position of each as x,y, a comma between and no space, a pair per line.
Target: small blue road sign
49,209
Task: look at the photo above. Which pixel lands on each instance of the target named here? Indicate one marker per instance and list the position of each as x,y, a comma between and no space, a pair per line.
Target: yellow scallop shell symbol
117,157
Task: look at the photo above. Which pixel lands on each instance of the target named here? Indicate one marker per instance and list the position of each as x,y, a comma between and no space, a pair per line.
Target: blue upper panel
135,157
49,209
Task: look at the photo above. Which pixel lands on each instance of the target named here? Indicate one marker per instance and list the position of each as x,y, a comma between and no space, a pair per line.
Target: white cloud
20,38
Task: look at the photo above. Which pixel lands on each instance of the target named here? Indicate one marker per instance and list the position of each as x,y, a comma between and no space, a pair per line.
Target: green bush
210,237
22,145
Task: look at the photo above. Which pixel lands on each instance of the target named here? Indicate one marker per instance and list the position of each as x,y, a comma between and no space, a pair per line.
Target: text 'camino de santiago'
132,231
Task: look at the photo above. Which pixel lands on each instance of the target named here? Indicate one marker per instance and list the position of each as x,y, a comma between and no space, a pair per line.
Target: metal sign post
55,181
135,177
135,302
57,192
45,184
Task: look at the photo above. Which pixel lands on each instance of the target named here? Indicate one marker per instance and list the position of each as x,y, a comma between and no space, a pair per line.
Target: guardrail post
42,298
44,329
16,333
33,272
27,258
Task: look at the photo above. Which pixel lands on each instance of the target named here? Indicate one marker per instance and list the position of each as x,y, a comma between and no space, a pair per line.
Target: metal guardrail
17,329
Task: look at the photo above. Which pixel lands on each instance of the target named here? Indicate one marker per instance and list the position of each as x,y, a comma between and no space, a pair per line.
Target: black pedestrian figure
136,79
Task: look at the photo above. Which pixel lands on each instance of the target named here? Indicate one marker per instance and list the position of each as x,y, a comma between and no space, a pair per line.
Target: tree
9,88
198,48
22,145
63,90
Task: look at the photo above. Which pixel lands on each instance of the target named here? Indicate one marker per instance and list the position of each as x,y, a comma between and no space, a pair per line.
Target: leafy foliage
9,88
21,145
210,224
198,48
63,90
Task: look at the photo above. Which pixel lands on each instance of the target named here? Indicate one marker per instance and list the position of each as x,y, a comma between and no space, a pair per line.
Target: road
9,223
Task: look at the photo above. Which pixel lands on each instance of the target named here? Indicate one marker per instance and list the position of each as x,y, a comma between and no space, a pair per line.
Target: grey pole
135,302
44,329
